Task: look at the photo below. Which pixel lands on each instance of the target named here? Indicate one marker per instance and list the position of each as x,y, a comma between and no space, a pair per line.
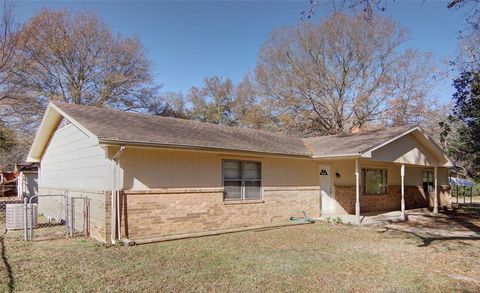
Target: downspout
115,216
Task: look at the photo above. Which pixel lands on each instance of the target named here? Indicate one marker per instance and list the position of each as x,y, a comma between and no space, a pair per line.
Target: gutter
342,156
109,142
115,216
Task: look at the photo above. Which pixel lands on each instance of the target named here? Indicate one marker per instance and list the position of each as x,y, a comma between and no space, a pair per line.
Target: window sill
245,201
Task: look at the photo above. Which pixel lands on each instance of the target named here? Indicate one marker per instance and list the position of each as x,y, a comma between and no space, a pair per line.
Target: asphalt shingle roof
334,145
113,125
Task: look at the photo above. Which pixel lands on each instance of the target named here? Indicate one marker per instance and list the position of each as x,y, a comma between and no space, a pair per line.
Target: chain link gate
43,216
55,216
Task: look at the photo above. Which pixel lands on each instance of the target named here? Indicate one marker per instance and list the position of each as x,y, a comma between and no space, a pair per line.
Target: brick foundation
414,198
151,214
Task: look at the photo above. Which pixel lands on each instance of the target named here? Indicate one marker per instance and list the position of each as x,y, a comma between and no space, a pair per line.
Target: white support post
357,193
115,208
112,204
402,204
435,190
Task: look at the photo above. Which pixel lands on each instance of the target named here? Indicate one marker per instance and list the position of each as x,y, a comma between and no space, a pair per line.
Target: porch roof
353,144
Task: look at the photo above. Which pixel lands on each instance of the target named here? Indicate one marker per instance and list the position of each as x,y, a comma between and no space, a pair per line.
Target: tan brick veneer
157,213
414,198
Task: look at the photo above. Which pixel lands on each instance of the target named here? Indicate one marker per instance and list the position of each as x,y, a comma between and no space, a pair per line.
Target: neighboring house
27,179
8,184
163,176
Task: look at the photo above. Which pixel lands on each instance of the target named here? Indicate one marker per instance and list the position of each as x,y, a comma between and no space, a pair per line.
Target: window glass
427,180
425,176
233,189
232,170
252,189
252,170
375,181
242,180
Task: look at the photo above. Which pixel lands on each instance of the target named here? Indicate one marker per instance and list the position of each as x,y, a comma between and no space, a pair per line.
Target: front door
328,203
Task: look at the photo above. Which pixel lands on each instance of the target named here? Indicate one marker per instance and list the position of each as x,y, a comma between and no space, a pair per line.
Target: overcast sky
190,40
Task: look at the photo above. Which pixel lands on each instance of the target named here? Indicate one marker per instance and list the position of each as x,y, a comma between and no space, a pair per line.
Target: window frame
364,180
428,182
242,180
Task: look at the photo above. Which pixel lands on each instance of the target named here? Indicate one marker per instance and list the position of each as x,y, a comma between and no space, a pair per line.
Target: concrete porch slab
376,218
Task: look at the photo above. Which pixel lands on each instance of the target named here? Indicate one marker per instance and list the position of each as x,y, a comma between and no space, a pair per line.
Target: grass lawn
316,257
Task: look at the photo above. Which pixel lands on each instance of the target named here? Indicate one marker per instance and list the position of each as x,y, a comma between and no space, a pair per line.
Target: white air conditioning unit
15,214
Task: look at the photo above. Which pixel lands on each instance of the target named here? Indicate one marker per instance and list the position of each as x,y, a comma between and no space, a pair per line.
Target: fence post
32,214
65,199
30,224
25,219
72,217
88,217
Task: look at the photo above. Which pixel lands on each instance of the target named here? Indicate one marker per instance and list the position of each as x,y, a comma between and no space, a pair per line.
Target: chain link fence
42,217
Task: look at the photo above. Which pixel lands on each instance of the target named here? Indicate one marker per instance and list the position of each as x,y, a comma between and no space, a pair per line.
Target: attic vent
323,172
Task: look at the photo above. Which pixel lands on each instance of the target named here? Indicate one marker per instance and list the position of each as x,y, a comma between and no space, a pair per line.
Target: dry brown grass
317,257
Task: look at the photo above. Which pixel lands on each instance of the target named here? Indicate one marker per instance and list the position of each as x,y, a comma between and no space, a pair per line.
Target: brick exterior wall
414,198
151,214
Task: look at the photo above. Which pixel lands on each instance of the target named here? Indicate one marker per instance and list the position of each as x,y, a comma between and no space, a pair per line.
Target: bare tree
8,45
472,11
75,58
222,102
412,82
213,102
368,7
168,104
249,108
10,103
328,77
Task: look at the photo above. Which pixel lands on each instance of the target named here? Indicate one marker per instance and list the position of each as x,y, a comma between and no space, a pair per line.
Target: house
148,177
8,187
27,179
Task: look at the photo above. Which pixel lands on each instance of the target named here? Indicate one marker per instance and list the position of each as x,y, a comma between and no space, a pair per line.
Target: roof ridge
192,121
408,126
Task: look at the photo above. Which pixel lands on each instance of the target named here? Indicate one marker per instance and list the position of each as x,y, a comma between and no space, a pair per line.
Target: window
242,180
427,180
374,181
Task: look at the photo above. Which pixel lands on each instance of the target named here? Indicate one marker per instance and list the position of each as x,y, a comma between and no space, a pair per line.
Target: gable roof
352,144
115,126
127,128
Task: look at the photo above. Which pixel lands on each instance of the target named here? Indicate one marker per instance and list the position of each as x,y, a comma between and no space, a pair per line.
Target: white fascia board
341,156
48,125
43,130
73,121
437,147
384,143
368,153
